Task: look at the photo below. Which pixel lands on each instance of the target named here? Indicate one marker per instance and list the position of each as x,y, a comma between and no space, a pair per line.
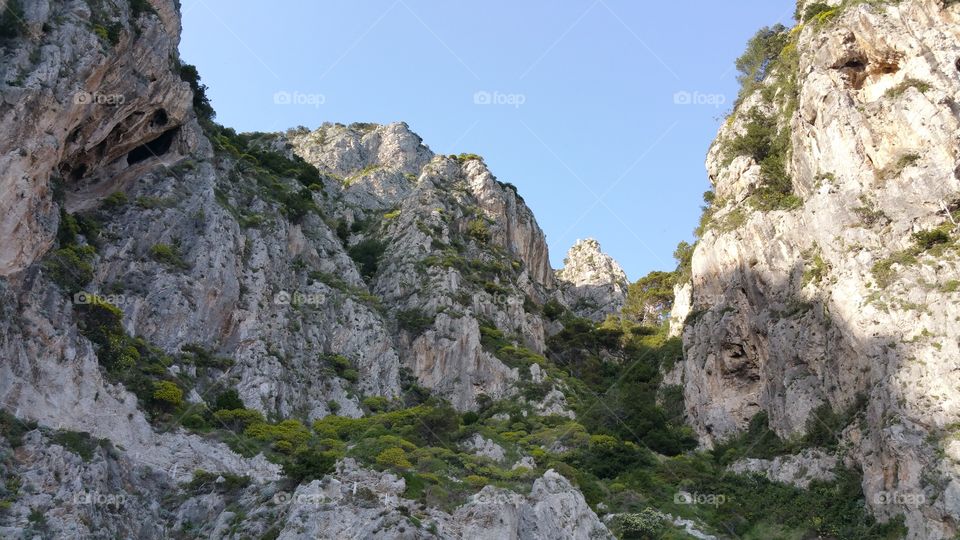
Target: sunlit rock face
593,283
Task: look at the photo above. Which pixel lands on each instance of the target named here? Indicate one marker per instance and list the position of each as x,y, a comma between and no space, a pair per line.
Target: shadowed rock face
794,309
593,284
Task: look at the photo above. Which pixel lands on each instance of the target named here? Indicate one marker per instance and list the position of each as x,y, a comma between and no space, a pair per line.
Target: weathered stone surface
798,470
74,107
787,313
593,284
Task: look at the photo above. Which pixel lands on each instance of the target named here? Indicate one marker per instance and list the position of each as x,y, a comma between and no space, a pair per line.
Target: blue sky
599,111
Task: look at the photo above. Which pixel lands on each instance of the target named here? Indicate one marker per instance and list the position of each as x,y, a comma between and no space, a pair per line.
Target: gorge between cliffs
335,332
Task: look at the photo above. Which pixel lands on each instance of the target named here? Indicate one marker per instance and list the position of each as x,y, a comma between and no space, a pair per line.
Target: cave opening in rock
77,173
159,118
155,148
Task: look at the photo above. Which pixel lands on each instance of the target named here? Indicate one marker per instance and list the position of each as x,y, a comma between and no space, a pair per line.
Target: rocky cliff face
205,333
592,283
230,263
842,296
105,104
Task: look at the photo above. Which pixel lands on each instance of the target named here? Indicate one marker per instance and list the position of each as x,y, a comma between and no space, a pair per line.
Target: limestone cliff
839,294
593,284
154,262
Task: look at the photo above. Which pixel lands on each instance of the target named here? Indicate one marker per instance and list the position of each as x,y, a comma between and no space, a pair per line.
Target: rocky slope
592,283
839,299
151,264
339,333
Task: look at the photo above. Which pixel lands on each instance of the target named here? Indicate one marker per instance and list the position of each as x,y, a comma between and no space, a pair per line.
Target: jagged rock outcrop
593,284
359,503
847,294
103,108
798,470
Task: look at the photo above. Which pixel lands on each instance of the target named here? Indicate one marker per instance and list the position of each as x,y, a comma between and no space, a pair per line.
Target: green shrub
224,482
646,525
375,403
553,309
110,32
928,239
288,436
883,270
13,429
684,257
341,366
238,419
168,255
607,456
395,458
310,464
201,103
769,146
228,400
758,441
437,425
367,255
12,21
816,270
296,205
80,443
901,88
70,267
115,200
759,59
167,394
815,9
478,230
650,298
414,321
